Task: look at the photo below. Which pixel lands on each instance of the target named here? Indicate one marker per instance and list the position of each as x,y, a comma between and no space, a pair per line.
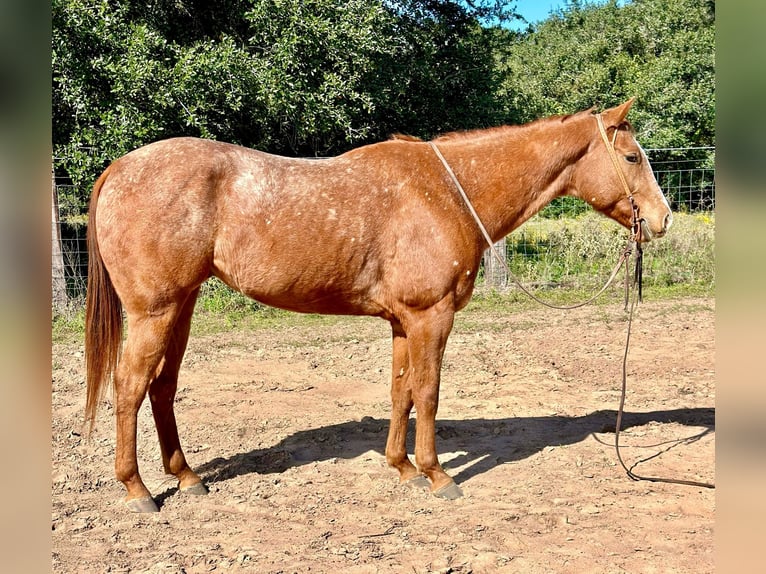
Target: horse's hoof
145,504
197,489
420,482
449,491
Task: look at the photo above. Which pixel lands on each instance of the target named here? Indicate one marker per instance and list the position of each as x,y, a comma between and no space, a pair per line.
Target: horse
379,231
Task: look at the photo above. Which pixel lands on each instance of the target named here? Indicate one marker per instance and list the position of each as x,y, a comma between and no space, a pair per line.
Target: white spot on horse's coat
468,272
332,214
268,222
593,199
455,263
401,372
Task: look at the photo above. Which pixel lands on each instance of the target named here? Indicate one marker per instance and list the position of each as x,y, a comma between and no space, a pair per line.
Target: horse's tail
103,317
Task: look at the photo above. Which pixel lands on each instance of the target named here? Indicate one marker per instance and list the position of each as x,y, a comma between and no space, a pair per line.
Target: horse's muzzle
648,233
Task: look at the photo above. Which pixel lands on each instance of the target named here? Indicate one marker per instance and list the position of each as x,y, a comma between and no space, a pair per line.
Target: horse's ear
614,117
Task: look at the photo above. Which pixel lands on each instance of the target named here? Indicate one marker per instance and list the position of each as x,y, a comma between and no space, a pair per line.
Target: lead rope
633,242
638,296
632,475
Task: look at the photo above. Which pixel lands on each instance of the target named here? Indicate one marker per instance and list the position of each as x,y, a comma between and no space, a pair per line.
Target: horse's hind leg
162,393
148,337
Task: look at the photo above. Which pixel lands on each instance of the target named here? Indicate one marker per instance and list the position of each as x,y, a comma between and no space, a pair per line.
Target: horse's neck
513,173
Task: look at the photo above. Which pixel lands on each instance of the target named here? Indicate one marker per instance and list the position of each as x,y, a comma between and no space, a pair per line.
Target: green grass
69,327
571,258
579,252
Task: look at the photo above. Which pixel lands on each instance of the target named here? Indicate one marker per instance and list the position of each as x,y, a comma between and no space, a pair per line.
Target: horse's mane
469,134
488,132
472,134
405,138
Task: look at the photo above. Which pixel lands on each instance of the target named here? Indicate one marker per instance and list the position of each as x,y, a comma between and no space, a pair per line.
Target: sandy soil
287,427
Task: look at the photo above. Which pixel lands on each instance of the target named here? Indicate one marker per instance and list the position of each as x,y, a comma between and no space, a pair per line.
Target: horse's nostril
667,222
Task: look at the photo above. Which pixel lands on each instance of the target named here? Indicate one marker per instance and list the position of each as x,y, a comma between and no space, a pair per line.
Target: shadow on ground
482,443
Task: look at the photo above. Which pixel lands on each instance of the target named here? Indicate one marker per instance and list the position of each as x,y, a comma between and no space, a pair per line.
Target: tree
317,77
312,61
588,54
311,77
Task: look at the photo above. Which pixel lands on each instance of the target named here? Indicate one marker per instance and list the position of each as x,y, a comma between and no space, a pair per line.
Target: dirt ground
287,427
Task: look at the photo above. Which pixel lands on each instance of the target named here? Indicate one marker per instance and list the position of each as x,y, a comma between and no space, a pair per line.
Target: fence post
58,289
495,274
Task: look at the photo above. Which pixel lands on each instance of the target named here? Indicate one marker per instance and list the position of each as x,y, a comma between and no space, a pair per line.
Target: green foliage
318,77
121,81
216,297
313,59
600,55
579,252
687,255
564,207
443,78
298,77
686,177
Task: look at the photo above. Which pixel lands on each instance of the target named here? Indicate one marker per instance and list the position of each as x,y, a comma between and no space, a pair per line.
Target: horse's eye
632,158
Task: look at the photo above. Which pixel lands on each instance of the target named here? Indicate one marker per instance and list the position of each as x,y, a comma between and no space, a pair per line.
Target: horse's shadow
481,444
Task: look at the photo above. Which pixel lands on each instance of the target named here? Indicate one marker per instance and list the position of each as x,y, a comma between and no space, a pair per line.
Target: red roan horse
380,230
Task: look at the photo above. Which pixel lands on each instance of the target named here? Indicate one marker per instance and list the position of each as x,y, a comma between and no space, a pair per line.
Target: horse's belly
302,279
316,298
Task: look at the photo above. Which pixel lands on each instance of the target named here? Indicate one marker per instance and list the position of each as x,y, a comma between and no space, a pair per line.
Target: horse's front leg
427,333
401,405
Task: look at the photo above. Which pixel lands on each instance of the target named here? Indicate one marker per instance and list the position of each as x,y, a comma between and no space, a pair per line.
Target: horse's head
608,178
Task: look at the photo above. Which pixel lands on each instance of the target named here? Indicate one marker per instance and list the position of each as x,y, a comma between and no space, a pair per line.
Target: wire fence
543,250
686,175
